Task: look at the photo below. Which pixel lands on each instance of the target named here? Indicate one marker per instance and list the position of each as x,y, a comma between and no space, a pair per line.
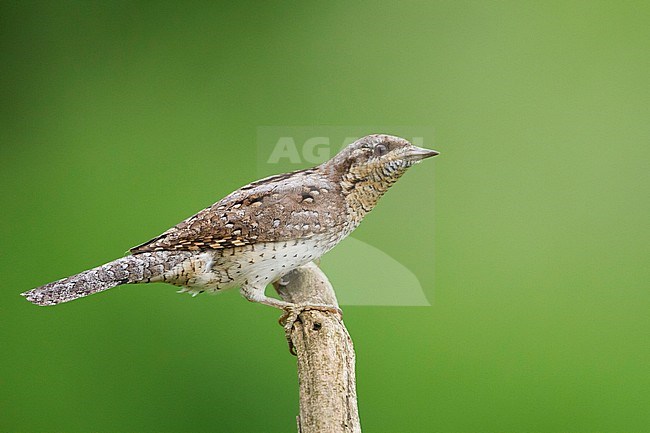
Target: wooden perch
328,395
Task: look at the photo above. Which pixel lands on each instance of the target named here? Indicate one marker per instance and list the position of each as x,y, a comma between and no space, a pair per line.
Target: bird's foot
290,317
291,312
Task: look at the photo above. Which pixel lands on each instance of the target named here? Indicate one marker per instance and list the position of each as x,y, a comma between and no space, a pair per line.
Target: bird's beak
417,153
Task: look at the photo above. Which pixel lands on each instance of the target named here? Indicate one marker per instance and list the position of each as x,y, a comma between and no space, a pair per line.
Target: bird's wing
279,208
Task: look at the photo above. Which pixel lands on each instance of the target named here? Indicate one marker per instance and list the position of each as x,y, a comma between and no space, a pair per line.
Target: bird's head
377,161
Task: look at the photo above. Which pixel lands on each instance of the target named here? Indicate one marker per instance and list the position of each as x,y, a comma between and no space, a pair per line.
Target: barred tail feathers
137,268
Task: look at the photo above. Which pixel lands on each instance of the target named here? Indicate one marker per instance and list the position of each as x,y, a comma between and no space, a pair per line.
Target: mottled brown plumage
258,233
290,206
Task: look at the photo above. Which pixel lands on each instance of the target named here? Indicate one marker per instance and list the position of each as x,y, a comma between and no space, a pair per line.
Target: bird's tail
139,268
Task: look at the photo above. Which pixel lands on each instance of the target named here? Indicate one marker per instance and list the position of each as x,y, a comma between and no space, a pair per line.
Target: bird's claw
290,317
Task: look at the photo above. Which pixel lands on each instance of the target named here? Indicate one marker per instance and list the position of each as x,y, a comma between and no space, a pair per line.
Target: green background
119,119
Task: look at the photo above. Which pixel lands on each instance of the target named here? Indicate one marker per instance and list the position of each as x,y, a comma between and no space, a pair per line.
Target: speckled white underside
254,265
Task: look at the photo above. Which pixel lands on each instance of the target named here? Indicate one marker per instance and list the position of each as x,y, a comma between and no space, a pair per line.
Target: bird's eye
380,150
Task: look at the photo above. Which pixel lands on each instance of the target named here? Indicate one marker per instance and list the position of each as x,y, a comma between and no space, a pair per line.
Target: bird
258,233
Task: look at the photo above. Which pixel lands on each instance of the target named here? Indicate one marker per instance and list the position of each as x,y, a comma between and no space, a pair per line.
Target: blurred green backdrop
119,119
